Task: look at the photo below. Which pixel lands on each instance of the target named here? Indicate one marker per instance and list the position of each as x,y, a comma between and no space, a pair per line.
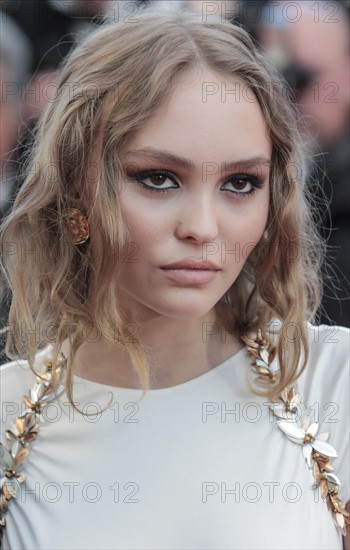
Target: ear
73,201
78,199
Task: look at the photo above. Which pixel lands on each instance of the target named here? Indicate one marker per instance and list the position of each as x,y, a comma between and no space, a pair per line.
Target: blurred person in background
226,9
52,27
15,62
15,59
309,43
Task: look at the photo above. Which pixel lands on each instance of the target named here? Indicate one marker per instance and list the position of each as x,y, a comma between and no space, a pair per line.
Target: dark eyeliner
257,183
139,176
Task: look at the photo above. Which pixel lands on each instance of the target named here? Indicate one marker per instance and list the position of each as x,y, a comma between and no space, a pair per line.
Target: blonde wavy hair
108,88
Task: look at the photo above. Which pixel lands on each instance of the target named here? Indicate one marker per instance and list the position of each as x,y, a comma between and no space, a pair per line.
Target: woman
163,242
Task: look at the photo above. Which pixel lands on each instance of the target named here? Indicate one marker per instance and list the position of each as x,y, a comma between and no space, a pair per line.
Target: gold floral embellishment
315,449
25,430
287,404
329,487
257,347
306,435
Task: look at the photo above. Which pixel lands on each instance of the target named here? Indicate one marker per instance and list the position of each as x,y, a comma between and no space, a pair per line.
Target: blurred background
308,42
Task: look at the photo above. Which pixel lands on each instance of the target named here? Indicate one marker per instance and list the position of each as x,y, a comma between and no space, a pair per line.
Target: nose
198,218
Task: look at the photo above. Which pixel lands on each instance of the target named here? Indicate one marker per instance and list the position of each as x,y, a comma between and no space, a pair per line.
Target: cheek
146,225
245,231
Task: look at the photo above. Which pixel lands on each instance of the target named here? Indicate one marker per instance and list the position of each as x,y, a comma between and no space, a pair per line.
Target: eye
244,184
157,179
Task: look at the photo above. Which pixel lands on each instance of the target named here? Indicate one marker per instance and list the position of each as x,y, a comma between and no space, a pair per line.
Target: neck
177,349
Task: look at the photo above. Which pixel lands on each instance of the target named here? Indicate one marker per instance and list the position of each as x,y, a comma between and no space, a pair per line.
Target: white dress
199,465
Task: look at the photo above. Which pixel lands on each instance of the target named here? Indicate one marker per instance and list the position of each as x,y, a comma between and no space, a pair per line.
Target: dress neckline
169,389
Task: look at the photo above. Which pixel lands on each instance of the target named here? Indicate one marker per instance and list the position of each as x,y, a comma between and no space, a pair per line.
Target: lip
190,277
191,271
191,263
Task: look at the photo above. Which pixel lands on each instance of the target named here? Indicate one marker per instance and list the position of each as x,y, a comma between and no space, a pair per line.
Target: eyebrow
149,153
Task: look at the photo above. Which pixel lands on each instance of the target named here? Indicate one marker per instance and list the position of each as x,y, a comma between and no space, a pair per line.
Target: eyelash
257,183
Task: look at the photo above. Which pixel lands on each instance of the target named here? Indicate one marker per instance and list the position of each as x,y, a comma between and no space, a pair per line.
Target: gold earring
79,225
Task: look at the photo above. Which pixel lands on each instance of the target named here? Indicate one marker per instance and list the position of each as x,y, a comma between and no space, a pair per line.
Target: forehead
208,117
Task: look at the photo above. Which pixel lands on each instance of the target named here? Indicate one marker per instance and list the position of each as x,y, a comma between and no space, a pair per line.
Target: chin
188,314
179,305
185,310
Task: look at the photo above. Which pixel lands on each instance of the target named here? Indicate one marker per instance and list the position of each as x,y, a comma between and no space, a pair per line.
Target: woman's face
203,209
